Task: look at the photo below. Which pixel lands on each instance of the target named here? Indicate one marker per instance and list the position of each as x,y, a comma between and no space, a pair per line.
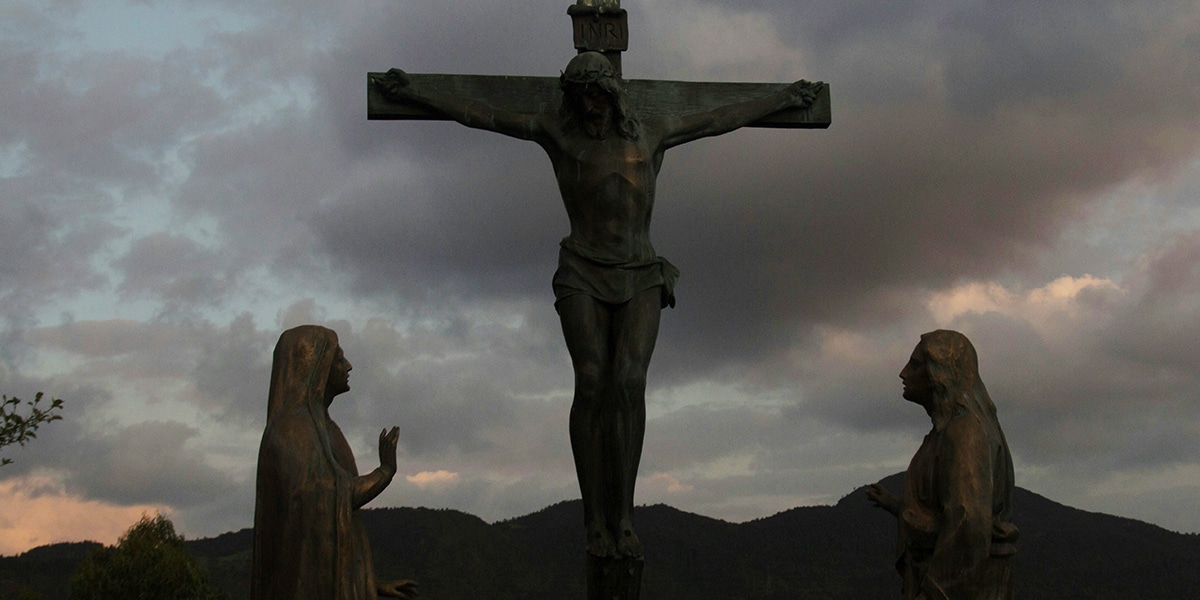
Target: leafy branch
18,428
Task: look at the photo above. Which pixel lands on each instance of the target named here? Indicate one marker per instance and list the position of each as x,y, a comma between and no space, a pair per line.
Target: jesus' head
593,99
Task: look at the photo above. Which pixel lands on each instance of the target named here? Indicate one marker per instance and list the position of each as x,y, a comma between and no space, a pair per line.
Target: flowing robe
309,543
956,536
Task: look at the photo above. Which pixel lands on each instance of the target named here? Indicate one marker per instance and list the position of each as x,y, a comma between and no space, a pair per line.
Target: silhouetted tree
18,429
149,561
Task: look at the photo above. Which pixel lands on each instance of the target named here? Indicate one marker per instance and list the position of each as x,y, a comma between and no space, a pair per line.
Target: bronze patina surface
606,139
309,542
956,539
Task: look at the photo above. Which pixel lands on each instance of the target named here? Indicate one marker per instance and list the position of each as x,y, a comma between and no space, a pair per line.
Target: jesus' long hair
593,68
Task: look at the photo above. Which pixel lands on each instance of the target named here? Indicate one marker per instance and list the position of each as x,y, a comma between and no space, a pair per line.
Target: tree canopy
149,561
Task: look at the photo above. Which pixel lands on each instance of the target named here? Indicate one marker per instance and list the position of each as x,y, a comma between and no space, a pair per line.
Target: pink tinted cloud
39,511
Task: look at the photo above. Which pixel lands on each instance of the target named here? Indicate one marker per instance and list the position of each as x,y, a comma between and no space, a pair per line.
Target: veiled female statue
309,542
956,537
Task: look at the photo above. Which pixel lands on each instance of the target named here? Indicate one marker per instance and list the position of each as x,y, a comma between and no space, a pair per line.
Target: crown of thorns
581,74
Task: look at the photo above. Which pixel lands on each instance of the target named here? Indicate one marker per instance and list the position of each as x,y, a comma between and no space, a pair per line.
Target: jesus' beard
575,122
599,126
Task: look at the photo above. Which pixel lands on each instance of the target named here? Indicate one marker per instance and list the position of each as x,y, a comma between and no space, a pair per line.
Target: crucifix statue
606,138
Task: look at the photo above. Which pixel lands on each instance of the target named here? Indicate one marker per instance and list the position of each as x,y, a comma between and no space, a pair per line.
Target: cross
599,25
606,138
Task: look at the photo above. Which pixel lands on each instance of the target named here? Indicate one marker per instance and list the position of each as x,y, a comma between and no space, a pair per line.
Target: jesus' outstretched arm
721,120
471,113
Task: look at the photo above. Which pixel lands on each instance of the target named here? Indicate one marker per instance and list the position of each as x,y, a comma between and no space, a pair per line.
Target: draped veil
956,536
308,540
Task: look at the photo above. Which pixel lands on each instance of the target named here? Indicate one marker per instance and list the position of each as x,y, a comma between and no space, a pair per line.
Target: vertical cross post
614,578
669,113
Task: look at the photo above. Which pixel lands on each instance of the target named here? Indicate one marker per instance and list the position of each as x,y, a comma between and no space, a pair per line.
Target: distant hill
835,552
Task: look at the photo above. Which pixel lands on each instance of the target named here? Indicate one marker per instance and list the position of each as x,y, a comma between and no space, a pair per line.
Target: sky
181,181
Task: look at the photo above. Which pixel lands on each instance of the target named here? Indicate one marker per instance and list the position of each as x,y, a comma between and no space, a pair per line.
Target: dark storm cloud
222,371
1105,389
906,192
258,182
57,443
172,268
917,193
232,372
955,154
163,462
526,38
460,386
967,138
964,140
473,227
148,462
1162,327
459,212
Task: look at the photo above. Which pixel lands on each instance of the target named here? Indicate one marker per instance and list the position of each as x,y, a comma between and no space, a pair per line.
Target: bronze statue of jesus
610,286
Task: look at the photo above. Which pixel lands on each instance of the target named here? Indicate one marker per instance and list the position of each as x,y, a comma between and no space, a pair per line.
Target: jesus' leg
635,331
585,324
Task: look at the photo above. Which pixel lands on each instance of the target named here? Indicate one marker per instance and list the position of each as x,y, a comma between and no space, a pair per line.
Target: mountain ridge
840,551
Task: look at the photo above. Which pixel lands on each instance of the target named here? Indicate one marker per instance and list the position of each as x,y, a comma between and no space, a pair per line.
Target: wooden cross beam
541,94
599,25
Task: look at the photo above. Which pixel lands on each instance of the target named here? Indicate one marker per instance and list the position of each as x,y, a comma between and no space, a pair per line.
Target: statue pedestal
614,578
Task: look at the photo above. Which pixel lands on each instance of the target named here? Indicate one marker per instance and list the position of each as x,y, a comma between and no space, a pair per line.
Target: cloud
426,479
149,461
40,511
232,371
1020,173
664,482
721,43
46,251
174,270
1060,301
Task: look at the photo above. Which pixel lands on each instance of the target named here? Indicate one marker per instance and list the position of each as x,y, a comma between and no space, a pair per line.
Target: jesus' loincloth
609,280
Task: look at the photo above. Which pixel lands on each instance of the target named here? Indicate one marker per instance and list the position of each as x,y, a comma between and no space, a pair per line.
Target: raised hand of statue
387,449
882,498
804,93
404,588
